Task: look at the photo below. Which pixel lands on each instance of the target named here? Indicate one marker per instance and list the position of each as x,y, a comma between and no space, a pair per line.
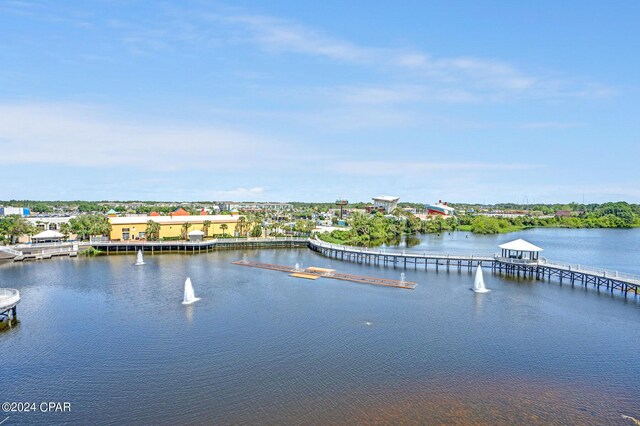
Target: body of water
261,347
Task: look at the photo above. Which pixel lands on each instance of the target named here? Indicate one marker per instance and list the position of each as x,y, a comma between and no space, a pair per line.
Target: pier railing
604,273
406,253
10,251
8,297
542,262
201,243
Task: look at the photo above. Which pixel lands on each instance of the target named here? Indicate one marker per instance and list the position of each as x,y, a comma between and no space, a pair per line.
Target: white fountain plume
478,284
297,268
189,295
139,259
402,279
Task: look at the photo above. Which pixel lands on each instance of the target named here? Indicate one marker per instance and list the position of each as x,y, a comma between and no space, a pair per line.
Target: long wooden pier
124,247
329,273
538,269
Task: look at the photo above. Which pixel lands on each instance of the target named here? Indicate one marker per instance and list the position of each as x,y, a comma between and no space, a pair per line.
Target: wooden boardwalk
361,279
540,269
124,247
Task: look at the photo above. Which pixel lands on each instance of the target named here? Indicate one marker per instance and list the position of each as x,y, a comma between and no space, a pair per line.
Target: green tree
184,230
13,227
153,231
242,225
256,231
87,225
65,230
205,227
224,228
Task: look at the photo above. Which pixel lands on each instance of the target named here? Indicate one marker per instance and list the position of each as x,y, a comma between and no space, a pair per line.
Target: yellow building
135,227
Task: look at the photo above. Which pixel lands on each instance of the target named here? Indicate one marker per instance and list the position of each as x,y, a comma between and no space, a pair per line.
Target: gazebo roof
196,232
519,245
47,234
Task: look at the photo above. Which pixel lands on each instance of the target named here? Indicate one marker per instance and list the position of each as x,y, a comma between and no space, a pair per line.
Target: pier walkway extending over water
539,269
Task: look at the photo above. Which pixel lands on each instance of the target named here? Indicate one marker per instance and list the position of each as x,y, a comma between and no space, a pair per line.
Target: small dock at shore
9,299
38,252
315,273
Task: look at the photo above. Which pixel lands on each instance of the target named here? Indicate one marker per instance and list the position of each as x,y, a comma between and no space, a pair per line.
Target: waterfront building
47,236
386,203
171,227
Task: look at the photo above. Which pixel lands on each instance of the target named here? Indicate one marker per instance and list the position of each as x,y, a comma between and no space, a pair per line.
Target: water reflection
188,313
478,303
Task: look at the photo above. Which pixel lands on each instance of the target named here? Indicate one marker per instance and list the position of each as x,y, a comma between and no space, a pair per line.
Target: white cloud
80,135
456,79
280,35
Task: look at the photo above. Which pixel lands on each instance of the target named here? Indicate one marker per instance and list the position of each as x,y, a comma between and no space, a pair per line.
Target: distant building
20,211
180,212
440,208
49,223
568,213
251,206
386,203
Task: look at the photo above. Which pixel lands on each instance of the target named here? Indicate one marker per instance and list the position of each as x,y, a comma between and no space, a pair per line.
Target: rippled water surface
263,347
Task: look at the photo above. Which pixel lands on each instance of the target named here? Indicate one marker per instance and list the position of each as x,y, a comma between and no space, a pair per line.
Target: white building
49,223
47,237
20,211
251,206
388,203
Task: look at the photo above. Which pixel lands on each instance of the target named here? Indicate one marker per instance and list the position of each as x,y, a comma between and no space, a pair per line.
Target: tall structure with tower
341,203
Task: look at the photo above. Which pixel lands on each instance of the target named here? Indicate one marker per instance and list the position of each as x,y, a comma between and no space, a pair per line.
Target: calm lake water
265,348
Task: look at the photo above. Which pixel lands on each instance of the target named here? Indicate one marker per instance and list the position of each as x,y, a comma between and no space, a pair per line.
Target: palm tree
205,227
184,230
65,230
224,227
153,231
242,224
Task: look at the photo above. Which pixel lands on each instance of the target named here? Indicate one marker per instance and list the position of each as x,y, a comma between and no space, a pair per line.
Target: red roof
154,214
203,212
180,212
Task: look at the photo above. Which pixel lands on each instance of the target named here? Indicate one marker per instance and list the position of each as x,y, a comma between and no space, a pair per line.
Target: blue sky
466,101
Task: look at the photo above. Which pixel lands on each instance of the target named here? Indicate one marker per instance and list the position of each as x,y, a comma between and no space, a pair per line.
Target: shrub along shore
374,230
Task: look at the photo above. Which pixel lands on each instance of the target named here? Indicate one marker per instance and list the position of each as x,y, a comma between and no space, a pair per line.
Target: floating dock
315,273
